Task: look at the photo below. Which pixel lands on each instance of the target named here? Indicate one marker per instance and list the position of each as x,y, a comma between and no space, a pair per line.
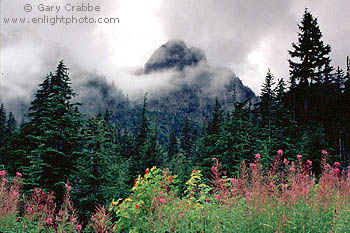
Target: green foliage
54,138
148,192
101,173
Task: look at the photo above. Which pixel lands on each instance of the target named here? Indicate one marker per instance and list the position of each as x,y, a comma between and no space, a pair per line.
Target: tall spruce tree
313,61
3,128
55,133
101,173
145,151
309,68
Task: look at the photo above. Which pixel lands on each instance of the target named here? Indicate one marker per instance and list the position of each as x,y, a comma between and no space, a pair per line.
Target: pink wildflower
78,227
336,171
280,152
336,164
2,173
15,193
217,196
252,165
68,187
207,199
292,169
299,156
49,221
309,162
162,200
257,156
285,161
324,152
18,174
233,180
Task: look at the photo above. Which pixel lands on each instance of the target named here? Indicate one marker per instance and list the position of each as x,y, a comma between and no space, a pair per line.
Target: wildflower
18,174
233,180
299,156
147,171
309,162
135,180
324,152
257,156
137,206
155,190
292,169
336,164
15,193
166,169
217,196
68,187
194,171
214,158
170,181
252,165
207,199
280,152
284,186
162,200
2,173
49,221
78,227
336,171
170,177
285,161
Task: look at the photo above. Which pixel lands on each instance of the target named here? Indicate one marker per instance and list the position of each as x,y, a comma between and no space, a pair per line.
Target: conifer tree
313,61
209,146
55,133
101,173
309,68
145,151
3,128
187,140
11,124
267,98
172,146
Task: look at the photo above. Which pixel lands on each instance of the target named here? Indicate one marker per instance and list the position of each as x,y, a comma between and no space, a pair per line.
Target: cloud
252,36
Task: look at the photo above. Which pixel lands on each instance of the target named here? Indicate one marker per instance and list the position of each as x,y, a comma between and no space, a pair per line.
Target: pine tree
309,68
313,61
145,151
55,133
209,143
267,98
101,172
172,146
187,140
3,128
11,124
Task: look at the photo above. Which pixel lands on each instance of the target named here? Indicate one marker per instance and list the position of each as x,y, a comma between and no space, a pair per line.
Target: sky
247,36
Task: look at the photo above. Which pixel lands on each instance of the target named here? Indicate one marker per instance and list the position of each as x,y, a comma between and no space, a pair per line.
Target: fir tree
172,146
55,137
313,61
3,128
101,172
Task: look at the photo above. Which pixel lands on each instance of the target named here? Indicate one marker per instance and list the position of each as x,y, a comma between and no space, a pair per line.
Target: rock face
174,54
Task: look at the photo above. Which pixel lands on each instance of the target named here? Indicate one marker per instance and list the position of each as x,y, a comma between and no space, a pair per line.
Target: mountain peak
174,54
